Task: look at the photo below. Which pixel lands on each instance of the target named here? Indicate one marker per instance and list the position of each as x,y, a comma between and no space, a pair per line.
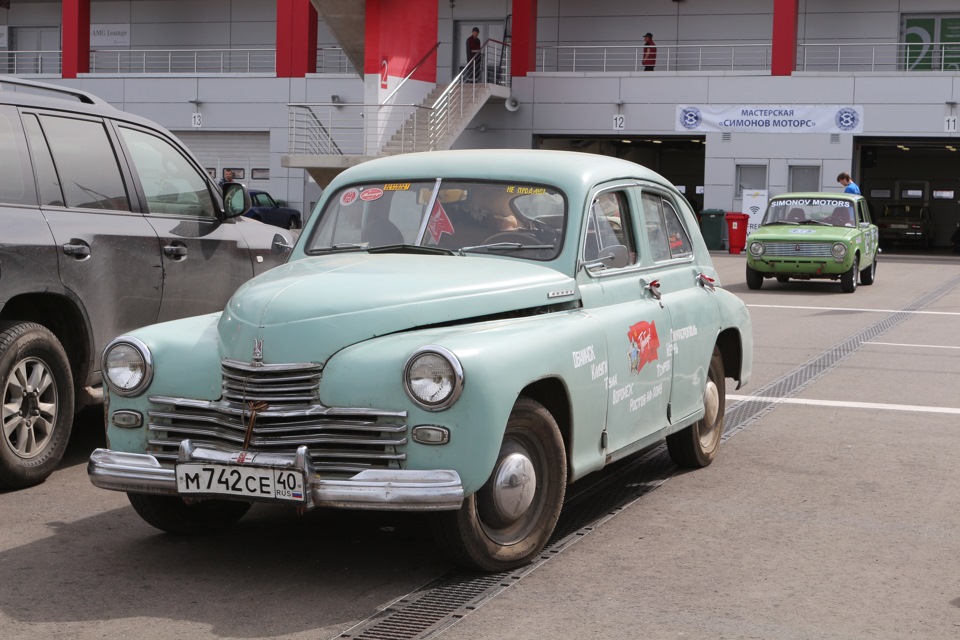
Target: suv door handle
77,250
175,251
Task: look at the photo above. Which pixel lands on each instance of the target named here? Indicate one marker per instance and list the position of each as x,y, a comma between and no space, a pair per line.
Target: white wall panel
662,88
916,88
577,89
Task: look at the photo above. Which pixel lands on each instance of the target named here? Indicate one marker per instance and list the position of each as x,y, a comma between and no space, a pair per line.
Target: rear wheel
754,278
173,515
510,519
848,279
37,404
697,445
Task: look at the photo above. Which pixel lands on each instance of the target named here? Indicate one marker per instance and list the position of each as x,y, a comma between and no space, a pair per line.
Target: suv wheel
37,414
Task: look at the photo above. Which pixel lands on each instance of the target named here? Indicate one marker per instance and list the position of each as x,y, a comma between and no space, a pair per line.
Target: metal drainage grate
443,602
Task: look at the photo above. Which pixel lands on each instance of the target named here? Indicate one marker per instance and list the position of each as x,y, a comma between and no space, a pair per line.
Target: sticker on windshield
806,202
523,191
439,223
348,197
372,193
397,186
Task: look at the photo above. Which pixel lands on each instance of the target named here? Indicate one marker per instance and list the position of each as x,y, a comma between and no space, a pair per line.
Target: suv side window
48,182
170,183
16,183
86,163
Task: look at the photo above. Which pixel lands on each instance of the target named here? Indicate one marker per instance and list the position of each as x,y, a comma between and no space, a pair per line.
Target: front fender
499,360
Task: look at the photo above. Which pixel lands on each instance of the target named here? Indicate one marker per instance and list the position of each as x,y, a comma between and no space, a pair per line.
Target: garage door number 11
950,124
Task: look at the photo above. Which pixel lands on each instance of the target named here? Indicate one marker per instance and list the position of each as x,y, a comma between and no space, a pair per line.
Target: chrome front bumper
385,489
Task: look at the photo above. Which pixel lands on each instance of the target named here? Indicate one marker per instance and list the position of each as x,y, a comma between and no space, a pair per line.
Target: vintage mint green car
814,235
460,332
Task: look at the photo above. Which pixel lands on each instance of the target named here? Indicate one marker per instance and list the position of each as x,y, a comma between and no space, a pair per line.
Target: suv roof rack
82,96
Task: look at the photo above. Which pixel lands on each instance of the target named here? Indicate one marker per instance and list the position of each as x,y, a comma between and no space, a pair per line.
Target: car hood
308,309
801,233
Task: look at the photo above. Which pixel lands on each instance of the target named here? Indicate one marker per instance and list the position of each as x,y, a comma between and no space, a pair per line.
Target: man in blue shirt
849,185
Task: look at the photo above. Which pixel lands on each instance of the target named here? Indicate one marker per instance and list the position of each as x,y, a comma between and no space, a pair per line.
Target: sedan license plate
241,482
899,226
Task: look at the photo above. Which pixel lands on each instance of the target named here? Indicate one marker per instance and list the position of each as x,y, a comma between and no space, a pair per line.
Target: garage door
245,151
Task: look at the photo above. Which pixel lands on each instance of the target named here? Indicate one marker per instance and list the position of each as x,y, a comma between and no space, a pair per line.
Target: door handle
76,250
654,288
175,251
706,281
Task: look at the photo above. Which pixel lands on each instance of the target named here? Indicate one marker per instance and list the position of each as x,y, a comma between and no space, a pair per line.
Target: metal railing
161,61
879,56
336,128
623,59
30,62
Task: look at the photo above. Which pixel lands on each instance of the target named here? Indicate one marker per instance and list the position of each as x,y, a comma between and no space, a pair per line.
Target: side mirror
613,257
280,245
236,200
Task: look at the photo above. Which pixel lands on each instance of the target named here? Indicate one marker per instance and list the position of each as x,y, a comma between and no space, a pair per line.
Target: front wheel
754,278
696,446
510,519
848,279
173,515
868,275
37,416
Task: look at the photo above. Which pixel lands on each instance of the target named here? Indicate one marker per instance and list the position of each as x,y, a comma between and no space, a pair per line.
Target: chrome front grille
340,440
798,249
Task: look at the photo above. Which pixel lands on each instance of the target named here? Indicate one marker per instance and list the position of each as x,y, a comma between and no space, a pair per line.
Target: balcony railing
840,57
623,59
24,63
168,61
879,56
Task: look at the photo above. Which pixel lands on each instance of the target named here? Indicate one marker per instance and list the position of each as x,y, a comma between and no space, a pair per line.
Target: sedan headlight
839,250
756,249
127,366
433,378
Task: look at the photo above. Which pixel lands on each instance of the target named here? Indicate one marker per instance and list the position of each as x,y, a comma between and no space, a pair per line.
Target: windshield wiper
773,222
410,248
504,246
825,224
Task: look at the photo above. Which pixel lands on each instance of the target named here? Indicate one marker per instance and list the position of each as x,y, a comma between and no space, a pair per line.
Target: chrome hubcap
711,405
29,408
514,486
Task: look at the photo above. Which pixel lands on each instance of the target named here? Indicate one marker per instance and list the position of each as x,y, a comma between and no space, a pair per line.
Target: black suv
107,223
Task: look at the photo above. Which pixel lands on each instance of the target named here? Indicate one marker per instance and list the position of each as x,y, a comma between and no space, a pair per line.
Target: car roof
560,168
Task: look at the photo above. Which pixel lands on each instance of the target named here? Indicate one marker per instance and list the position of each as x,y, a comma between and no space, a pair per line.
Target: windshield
461,216
829,211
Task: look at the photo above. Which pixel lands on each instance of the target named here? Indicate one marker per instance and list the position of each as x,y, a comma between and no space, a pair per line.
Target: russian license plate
899,226
237,481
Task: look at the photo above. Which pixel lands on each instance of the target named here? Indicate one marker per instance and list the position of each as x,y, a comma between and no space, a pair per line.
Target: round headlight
756,248
839,250
433,378
127,366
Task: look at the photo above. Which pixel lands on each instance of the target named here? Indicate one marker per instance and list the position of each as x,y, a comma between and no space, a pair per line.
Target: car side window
677,238
263,200
170,183
654,227
48,182
609,227
16,183
85,161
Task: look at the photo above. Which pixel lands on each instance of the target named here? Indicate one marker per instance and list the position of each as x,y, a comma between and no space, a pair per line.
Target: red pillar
784,37
75,53
523,38
296,38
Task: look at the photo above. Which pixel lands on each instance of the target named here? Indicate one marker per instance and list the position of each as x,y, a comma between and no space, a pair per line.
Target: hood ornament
258,351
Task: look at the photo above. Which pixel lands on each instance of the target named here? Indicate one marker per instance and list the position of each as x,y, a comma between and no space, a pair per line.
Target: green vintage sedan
814,235
463,333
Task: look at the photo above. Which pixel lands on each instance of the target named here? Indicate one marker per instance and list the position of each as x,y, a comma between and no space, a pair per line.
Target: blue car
266,210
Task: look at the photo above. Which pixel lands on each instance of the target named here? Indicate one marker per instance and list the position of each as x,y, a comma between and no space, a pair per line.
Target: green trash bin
712,222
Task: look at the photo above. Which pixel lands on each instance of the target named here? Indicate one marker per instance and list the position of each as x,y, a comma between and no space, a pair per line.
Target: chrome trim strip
396,489
288,411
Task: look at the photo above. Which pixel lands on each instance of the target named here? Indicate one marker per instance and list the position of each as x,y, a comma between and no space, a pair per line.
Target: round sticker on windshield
372,193
348,197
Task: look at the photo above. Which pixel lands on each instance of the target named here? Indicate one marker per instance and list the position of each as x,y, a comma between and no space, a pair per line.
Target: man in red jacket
649,52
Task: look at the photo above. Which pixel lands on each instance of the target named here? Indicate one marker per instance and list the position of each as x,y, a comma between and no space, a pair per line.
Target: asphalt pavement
831,512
